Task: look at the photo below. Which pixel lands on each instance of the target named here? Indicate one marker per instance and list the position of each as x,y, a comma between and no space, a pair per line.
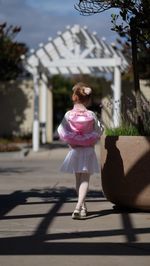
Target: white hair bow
87,90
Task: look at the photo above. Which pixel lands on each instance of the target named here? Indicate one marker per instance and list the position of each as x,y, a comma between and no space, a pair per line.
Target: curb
14,155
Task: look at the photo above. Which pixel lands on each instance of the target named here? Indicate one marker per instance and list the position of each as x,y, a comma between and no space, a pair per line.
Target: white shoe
83,212
76,214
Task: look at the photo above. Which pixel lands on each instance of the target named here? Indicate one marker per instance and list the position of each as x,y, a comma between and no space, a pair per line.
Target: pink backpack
79,129
81,122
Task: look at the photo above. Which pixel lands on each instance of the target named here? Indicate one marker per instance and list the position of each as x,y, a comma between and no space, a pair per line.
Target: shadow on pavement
41,242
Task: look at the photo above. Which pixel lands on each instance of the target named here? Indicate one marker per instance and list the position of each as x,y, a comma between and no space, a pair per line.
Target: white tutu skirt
81,160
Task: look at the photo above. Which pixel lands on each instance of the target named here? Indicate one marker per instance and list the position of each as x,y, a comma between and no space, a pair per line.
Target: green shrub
124,130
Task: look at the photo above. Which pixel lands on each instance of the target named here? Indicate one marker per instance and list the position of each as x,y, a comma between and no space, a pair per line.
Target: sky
41,19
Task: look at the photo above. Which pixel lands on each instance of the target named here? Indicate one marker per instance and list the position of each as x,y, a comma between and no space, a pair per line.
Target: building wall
17,103
127,103
16,108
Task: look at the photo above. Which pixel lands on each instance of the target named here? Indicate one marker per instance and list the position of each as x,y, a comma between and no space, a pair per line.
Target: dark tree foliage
10,52
135,15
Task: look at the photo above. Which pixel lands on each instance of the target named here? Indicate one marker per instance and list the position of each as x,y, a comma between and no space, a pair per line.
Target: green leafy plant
124,130
129,118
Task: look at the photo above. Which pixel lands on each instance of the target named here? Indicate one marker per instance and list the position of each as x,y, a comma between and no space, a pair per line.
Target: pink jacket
80,127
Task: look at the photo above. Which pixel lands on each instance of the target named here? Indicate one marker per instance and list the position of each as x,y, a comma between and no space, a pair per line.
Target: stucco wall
16,108
127,102
17,102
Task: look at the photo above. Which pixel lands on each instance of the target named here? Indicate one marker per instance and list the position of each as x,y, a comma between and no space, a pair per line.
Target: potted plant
125,164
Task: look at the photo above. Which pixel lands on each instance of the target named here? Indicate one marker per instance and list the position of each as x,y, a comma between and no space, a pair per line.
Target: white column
43,107
50,115
35,135
117,97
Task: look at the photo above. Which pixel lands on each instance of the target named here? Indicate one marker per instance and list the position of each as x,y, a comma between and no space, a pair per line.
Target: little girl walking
81,129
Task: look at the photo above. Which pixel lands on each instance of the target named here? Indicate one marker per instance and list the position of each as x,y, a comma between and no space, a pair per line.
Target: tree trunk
136,77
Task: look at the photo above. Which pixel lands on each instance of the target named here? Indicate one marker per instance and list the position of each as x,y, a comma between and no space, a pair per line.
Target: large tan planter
125,164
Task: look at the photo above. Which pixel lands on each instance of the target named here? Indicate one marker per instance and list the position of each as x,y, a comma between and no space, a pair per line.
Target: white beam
85,70
43,107
87,38
67,36
91,62
62,48
33,60
43,57
117,97
49,127
35,135
87,51
74,70
53,52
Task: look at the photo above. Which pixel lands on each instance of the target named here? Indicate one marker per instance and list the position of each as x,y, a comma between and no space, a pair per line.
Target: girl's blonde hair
81,93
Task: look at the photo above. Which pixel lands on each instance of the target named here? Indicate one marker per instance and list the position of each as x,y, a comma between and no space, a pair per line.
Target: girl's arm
62,128
98,126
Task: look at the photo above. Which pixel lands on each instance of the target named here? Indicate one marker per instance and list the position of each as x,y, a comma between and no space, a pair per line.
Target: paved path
36,202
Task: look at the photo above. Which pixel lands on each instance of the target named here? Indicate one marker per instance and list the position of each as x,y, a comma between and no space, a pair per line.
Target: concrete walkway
36,203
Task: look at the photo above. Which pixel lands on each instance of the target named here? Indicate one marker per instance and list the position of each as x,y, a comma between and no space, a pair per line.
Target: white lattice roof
76,51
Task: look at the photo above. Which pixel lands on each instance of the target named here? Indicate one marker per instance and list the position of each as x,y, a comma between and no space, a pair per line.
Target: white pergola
74,51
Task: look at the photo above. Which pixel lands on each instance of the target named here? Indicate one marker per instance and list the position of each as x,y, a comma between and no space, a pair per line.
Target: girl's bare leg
77,182
82,185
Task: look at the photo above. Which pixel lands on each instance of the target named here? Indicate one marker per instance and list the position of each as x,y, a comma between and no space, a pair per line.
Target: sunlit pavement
36,228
